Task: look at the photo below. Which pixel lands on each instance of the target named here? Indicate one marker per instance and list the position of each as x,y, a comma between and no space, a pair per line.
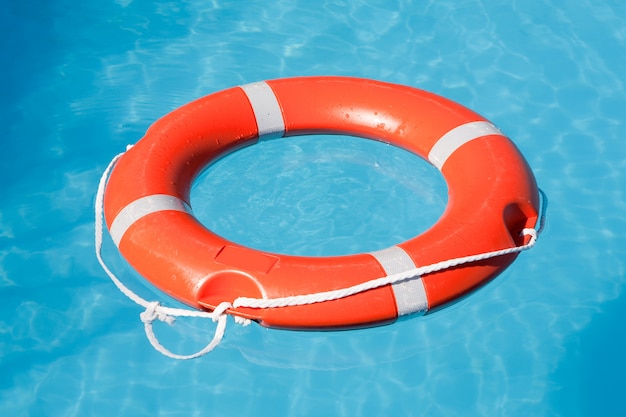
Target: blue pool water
81,80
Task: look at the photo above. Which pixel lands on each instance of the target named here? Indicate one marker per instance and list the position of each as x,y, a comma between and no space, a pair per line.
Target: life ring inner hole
319,195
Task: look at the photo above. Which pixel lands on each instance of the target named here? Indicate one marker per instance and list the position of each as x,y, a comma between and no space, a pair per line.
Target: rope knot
153,312
220,310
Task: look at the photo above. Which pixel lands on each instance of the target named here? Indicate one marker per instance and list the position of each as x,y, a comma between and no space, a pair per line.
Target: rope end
242,321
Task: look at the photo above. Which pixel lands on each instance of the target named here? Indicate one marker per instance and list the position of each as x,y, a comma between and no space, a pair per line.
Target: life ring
492,197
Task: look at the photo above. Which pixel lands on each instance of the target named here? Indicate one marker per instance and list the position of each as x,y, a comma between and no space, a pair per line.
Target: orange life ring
492,197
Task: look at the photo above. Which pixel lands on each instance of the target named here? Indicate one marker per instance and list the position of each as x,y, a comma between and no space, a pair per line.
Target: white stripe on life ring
458,137
410,294
142,207
269,117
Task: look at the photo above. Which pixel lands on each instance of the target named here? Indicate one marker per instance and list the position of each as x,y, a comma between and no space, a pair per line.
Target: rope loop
154,341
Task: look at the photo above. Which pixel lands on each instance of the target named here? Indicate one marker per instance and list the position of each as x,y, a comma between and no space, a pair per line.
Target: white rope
297,300
155,311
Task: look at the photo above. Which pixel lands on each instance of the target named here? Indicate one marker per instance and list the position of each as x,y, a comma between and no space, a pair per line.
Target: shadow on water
594,368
